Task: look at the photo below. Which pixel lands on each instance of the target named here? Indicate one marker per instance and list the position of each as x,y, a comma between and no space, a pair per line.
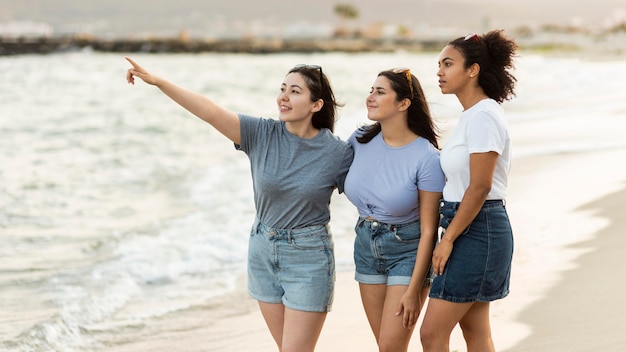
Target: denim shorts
293,267
385,253
479,267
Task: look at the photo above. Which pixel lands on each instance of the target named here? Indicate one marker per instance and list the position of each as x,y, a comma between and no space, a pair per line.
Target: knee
391,345
429,337
434,338
475,334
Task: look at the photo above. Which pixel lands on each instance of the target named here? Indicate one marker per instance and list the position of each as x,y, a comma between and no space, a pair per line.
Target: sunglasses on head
407,74
310,67
472,36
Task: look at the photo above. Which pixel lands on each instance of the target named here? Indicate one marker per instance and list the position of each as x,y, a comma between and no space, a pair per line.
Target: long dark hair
418,115
494,53
319,85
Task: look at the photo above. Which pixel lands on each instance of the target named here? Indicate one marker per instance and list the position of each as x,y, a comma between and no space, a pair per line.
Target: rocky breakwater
46,45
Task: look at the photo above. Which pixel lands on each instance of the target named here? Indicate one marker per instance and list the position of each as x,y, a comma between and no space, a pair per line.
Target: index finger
132,62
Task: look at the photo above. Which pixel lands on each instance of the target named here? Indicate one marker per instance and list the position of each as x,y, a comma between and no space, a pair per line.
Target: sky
216,18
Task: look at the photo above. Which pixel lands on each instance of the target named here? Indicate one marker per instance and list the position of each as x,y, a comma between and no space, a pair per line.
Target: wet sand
584,311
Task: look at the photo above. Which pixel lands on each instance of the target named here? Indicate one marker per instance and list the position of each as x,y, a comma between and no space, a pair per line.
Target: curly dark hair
319,85
418,115
494,53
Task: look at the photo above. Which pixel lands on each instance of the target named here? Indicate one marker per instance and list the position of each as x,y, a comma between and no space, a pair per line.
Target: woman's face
453,77
381,102
294,100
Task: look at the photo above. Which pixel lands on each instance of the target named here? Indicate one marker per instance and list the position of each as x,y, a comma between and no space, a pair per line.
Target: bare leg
441,317
477,329
301,330
380,303
274,315
373,299
292,330
393,335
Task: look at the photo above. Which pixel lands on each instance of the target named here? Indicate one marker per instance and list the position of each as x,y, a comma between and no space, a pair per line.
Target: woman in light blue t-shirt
296,164
395,182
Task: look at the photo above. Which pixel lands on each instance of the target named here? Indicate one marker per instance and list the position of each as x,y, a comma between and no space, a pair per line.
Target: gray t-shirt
293,177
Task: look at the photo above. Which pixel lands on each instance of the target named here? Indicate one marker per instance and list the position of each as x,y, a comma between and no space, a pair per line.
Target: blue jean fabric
479,267
385,253
295,267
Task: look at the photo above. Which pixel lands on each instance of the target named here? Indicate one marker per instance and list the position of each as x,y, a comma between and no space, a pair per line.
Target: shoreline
567,147
572,44
556,303
582,312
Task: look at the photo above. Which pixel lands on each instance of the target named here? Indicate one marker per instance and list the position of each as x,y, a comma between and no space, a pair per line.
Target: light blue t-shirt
383,181
293,177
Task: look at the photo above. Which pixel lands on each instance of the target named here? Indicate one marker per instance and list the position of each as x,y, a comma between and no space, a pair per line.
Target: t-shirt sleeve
486,134
248,127
430,176
344,167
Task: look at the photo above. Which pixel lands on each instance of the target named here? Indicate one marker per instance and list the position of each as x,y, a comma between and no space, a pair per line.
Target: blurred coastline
555,42
239,26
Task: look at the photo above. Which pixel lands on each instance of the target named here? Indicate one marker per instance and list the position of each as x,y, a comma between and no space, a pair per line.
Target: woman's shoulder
258,119
334,139
258,123
489,107
485,110
427,146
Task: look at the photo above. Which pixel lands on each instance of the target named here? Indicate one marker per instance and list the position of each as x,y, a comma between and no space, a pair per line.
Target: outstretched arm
224,120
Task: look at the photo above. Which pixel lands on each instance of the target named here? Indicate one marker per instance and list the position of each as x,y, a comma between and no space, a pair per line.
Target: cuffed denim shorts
385,253
479,267
293,267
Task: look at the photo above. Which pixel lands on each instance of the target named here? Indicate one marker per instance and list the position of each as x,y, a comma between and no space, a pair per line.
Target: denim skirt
479,267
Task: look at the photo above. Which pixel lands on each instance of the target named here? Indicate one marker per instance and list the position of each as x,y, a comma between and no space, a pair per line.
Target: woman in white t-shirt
472,259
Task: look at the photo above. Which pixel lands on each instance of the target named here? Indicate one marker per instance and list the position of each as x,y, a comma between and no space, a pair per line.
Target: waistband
380,224
258,225
489,203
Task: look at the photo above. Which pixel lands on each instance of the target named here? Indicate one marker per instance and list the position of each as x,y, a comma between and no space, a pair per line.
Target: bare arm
223,120
482,167
410,303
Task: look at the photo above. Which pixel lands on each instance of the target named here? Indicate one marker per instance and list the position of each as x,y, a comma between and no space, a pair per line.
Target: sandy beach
551,307
584,312
566,208
115,243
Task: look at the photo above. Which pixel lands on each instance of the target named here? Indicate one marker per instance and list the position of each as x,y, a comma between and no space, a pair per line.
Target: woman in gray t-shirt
296,164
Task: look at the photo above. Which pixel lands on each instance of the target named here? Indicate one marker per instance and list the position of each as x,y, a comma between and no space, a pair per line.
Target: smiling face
294,100
382,102
454,78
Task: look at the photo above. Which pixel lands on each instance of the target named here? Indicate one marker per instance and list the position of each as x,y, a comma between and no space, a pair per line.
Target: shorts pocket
407,234
311,241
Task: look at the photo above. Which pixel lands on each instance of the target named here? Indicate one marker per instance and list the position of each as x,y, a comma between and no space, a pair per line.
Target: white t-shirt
481,129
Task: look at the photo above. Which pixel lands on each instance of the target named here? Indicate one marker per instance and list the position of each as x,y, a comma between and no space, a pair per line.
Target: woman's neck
303,130
471,99
396,134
